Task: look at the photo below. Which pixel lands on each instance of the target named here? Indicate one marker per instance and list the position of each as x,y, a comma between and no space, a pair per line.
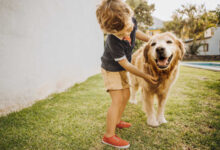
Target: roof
190,40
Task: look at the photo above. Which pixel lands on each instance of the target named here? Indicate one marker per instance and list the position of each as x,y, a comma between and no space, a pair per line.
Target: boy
115,19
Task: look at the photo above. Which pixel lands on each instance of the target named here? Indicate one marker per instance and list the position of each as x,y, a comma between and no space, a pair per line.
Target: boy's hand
131,68
151,79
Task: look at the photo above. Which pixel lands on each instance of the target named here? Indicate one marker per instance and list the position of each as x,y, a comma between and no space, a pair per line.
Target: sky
165,8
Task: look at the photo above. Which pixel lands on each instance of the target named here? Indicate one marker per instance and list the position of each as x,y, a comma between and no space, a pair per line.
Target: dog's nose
160,50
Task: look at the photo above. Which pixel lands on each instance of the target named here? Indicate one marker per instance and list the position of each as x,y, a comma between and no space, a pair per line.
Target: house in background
210,44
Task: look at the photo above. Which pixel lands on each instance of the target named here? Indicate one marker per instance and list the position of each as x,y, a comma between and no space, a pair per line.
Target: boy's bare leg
114,111
126,96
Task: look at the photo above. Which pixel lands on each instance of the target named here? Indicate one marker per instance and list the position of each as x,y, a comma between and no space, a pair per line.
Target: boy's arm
142,36
132,69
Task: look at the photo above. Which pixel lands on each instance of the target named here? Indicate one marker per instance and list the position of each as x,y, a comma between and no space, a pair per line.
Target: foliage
193,48
218,13
142,13
133,3
176,25
191,21
138,44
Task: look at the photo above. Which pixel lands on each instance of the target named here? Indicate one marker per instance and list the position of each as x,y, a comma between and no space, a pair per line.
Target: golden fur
144,60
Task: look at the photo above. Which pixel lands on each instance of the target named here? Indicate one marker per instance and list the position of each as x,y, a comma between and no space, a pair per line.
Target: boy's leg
114,111
126,96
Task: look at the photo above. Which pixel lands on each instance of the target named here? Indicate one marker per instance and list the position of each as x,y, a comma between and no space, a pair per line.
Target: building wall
46,47
213,44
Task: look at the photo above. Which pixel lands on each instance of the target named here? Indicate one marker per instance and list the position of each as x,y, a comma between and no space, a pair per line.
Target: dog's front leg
161,108
148,100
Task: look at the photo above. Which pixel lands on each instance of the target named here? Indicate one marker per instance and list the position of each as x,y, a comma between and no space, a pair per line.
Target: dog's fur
145,60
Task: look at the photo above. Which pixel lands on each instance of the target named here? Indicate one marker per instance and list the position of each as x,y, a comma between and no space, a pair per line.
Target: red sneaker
115,141
123,124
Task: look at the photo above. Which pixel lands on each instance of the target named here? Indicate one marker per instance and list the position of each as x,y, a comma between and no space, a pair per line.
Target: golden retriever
160,58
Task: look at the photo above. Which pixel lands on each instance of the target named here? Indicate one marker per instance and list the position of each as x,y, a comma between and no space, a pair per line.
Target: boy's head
114,17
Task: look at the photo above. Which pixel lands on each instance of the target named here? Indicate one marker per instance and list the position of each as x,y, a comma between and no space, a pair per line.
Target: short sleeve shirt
116,49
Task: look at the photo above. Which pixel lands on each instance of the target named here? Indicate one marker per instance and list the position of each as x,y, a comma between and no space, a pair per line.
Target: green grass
75,119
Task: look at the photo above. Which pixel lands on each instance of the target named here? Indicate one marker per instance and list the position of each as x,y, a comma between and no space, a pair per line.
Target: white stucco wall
45,47
214,44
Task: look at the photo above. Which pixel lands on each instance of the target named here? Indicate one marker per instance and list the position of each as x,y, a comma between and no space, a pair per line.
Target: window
205,47
212,31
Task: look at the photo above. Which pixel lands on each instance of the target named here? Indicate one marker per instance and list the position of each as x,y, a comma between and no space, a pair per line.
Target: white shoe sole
120,147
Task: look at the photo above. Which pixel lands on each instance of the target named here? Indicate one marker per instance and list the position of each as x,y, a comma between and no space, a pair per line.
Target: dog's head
164,49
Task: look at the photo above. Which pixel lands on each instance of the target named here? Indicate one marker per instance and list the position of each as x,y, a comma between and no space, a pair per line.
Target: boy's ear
146,50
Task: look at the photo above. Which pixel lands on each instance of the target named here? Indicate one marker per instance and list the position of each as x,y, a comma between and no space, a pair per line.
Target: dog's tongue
163,62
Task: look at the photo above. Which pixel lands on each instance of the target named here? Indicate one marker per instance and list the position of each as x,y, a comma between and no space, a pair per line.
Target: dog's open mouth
163,62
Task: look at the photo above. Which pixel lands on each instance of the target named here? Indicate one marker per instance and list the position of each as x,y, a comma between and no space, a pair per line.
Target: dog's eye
153,44
169,42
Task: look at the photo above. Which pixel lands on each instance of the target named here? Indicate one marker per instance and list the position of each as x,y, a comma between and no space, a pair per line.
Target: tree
176,25
191,21
142,13
133,3
218,13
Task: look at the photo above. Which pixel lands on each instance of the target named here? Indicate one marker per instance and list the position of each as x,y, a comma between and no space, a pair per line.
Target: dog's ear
179,43
146,50
182,48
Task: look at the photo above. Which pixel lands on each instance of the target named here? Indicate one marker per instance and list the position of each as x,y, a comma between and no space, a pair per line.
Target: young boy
115,19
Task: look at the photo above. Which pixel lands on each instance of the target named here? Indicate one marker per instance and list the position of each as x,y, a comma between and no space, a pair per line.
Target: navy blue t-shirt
116,49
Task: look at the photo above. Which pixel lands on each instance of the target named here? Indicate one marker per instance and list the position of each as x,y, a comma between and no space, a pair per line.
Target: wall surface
46,46
213,44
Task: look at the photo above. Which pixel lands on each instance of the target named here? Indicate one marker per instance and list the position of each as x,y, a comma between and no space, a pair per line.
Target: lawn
75,119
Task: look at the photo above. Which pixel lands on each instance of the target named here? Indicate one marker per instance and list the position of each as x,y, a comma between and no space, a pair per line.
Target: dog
160,58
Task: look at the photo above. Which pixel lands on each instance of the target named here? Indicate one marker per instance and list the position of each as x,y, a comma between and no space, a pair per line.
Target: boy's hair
113,15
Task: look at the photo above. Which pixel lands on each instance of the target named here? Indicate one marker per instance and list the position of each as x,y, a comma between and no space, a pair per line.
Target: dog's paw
152,122
133,101
162,120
